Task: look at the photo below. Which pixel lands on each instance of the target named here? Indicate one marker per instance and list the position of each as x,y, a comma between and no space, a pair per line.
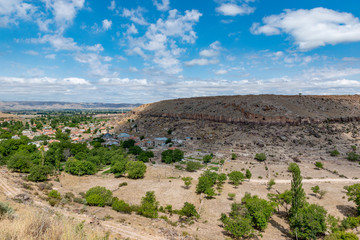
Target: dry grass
35,224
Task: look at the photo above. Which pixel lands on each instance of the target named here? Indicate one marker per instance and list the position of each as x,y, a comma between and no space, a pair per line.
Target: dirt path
319,180
124,231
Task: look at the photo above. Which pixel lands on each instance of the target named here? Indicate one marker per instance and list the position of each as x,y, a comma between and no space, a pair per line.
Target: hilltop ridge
266,109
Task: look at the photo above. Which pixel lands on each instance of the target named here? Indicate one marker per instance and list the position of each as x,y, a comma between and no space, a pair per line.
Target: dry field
166,181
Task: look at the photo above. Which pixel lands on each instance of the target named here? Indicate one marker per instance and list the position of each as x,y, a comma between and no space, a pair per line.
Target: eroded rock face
260,109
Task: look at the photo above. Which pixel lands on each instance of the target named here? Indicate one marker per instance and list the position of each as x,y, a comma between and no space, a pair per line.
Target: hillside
31,105
258,109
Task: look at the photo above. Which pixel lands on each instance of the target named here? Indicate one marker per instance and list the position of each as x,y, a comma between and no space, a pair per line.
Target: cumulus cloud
221,72
164,5
13,10
58,42
230,9
31,82
112,5
135,15
95,62
212,51
124,82
161,39
106,24
201,62
312,28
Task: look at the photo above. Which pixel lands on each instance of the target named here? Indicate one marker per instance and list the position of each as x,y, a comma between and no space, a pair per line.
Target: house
123,136
160,141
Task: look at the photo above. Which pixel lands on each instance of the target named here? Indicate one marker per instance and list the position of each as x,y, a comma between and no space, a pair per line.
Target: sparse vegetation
260,157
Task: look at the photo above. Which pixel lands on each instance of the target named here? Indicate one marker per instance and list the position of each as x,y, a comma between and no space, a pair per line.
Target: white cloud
212,51
161,40
32,52
44,81
312,28
221,72
230,9
106,24
95,61
50,56
164,5
13,10
135,15
131,29
35,72
201,62
124,82
112,5
95,48
58,42
64,11
75,81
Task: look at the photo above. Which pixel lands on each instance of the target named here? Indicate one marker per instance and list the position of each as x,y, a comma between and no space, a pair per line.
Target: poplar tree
298,194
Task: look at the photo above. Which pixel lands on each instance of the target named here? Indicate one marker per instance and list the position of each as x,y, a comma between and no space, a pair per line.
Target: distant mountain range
40,105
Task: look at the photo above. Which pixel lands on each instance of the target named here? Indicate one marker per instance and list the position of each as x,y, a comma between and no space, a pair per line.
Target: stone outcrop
259,109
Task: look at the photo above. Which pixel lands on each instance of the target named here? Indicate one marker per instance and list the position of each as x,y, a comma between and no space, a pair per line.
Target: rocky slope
267,109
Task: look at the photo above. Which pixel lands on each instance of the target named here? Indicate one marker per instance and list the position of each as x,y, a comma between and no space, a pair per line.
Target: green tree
121,206
298,194
189,211
105,195
353,156
353,193
149,206
319,165
193,166
248,174
309,222
260,157
207,158
342,236
271,183
39,173
233,156
19,162
334,153
236,177
204,183
187,181
118,168
135,170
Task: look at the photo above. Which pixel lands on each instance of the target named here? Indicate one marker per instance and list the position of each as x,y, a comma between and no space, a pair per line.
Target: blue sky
143,51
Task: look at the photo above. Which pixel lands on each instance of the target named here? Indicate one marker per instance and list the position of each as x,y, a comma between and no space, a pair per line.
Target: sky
141,51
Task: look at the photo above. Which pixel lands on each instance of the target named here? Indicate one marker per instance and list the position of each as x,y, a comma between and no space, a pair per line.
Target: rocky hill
268,109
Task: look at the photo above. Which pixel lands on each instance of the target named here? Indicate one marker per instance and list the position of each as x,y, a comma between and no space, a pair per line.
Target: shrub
238,226
271,183
118,168
231,196
5,210
207,158
260,157
342,236
292,167
319,165
189,211
170,156
149,206
204,183
135,150
353,192
236,177
352,156
121,206
193,166
102,192
79,168
95,200
39,173
248,174
187,181
19,163
136,169
334,153
309,222
54,194
233,156
350,222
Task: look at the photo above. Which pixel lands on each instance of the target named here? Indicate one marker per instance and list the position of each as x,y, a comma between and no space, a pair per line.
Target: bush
309,222
353,192
136,169
170,156
207,158
193,166
342,236
204,183
231,196
260,157
319,165
135,150
292,167
39,173
19,163
352,156
119,168
350,223
189,211
102,192
236,177
5,210
149,206
79,168
334,153
54,194
248,174
95,200
121,206
233,156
